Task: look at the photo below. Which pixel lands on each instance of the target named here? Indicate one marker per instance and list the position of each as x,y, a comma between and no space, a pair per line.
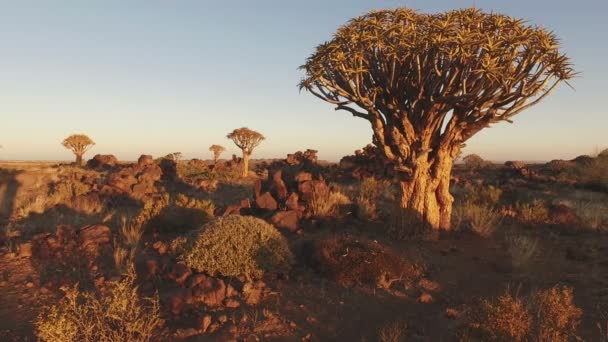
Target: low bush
236,245
505,318
546,315
350,261
118,315
535,212
371,193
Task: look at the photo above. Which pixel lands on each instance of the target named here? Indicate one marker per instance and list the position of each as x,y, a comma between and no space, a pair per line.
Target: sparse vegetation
482,219
118,315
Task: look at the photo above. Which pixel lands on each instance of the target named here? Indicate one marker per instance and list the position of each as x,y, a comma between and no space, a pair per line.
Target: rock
92,238
279,186
266,201
144,160
231,303
179,273
563,215
147,267
515,165
160,247
102,161
425,298
303,177
253,294
184,333
227,332
205,323
177,300
210,291
286,220
25,249
292,201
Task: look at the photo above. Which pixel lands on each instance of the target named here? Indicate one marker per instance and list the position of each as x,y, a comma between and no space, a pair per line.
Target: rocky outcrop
368,162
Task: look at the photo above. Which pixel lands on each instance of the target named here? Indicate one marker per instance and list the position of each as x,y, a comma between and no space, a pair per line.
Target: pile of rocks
137,180
290,190
368,162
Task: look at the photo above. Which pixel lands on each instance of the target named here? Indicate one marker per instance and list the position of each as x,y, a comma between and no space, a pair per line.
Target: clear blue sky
163,76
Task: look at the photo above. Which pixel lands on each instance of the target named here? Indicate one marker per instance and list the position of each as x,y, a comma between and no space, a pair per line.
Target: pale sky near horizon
157,77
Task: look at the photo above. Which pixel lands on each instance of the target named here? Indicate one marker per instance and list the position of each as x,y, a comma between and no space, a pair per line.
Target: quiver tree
246,140
428,82
217,152
79,144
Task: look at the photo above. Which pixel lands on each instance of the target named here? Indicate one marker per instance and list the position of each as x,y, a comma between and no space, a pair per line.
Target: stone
145,159
92,238
179,273
292,202
205,323
303,177
279,186
231,303
425,298
210,291
266,201
25,249
184,333
102,161
286,220
147,267
177,300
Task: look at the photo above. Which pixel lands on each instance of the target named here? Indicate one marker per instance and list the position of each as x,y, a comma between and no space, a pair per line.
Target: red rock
303,177
179,273
92,238
177,300
266,201
286,220
292,201
205,323
145,159
147,267
102,160
210,291
231,303
425,298
279,185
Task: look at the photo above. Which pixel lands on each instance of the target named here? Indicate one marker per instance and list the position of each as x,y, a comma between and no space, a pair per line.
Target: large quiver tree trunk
425,202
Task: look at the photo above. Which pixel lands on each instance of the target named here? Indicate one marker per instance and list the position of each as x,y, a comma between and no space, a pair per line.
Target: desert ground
298,250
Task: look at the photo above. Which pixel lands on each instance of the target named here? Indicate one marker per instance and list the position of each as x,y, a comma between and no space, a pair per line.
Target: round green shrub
236,245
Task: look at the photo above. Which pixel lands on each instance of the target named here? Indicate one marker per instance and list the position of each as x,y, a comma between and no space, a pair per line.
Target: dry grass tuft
547,315
118,315
329,205
481,219
521,249
393,332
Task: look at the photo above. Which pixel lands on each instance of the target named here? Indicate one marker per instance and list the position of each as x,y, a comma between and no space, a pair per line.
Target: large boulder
102,161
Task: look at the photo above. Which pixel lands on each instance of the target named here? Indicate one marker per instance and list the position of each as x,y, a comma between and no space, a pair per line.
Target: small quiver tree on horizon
79,144
247,140
429,82
217,152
